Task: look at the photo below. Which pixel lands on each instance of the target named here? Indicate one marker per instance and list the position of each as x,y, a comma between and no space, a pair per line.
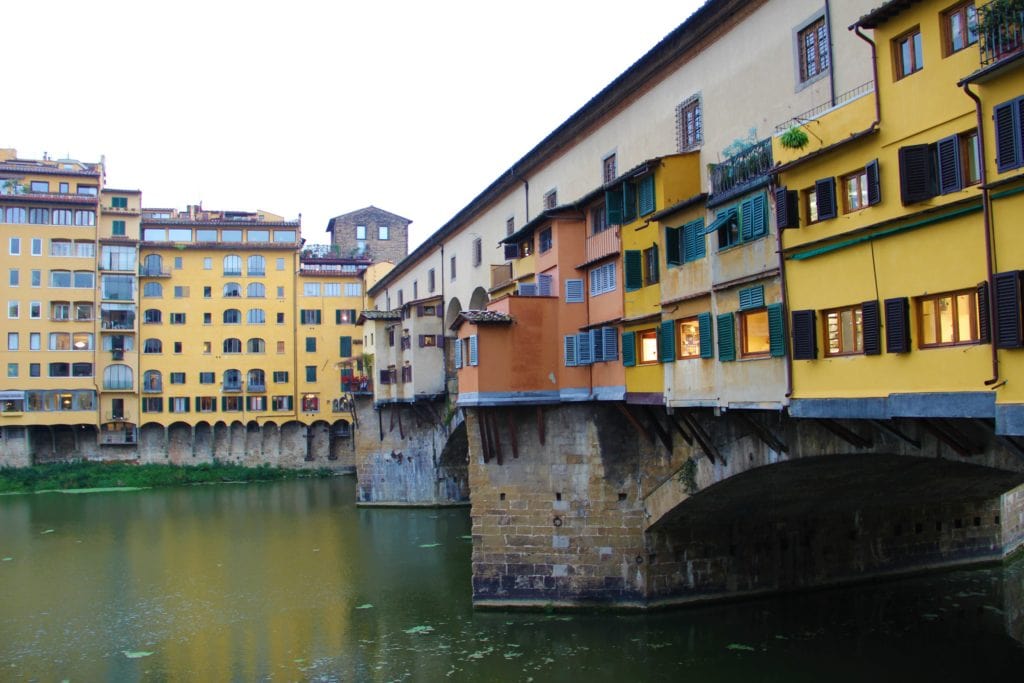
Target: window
844,331
908,54
232,316
152,346
60,369
280,264
232,289
742,223
177,347
256,345
855,191
309,317
232,380
207,347
510,226
177,318
959,27
88,190
695,337
12,369
451,269
609,171
256,316
83,217
812,44
207,377
685,244
40,186
311,344
232,265
478,252
13,277
256,290
60,278
430,283
332,289
353,289
206,404
280,292
152,316
39,216
948,319
177,378
64,188
544,241
61,216
37,246
360,232
602,279
232,345
550,199
14,309
12,341
280,347
281,402
689,124
60,341
153,404
35,310
84,279
651,265
119,202
310,373
310,403
181,292
256,265
383,232
280,377
754,337
37,278
970,158
178,263
231,404
34,370
280,318
311,289
207,292
940,168
647,346
117,377
14,246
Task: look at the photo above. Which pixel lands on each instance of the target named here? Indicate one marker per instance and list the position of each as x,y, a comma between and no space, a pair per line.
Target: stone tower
370,233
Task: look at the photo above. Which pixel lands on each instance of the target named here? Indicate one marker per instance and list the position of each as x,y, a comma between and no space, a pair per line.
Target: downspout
986,214
785,303
874,71
526,187
831,54
444,308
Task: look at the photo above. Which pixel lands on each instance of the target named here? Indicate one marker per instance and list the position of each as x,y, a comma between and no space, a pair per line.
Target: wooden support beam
540,424
1015,446
391,418
624,409
888,426
401,431
762,432
512,433
380,422
702,437
664,435
485,443
848,435
674,419
952,437
495,436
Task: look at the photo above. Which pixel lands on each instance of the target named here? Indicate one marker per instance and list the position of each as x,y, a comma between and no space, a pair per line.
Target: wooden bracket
624,409
702,437
513,439
540,424
952,437
763,433
848,435
664,435
674,419
485,442
888,426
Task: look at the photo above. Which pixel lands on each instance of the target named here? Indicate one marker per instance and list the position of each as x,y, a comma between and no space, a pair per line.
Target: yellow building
890,247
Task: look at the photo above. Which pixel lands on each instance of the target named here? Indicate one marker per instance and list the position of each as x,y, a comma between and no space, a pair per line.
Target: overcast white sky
312,107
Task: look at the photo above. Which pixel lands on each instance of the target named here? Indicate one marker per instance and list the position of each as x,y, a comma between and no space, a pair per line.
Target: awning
12,395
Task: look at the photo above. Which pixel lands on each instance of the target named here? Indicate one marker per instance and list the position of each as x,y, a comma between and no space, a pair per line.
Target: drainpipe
444,309
874,70
986,213
831,54
526,186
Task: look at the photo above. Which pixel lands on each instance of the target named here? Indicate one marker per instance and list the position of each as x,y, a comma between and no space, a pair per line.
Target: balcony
1000,30
152,387
147,271
741,170
357,385
602,244
501,275
232,387
117,416
256,388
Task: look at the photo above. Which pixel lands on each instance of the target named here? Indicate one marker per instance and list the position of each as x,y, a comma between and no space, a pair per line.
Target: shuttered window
753,218
917,173
345,347
805,343
569,349
673,246
1008,332
610,341
474,358
628,349
948,156
897,325
874,183
776,331
871,321
667,341
647,195
633,261
458,354
628,202
1008,130
584,349
751,297
574,291
984,310
613,206
726,337
694,241
706,336
544,284
787,214
825,198
602,279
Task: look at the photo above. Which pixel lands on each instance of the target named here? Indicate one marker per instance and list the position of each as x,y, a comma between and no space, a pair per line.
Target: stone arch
254,454
293,444
202,448
152,443
238,436
271,442
342,444
179,443
318,441
478,301
41,444
221,441
451,312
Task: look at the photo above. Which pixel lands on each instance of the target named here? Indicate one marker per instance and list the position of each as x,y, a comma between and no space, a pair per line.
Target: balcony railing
1000,30
602,244
742,168
256,387
153,272
232,386
152,387
122,416
357,385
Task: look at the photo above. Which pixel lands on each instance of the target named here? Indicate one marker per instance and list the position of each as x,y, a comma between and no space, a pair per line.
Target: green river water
290,581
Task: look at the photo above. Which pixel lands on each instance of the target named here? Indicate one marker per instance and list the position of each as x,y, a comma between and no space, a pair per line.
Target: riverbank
91,475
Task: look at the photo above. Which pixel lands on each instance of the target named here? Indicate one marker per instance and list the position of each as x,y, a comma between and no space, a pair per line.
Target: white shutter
473,351
544,283
458,354
574,291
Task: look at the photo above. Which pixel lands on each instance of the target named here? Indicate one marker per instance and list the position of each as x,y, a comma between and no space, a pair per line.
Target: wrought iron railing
741,168
811,114
1000,30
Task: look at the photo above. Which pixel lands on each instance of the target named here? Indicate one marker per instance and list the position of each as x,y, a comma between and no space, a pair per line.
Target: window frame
975,327
858,331
860,179
963,9
912,35
647,334
744,332
689,137
681,346
813,28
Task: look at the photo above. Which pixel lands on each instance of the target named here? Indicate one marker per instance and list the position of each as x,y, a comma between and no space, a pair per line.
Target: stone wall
393,249
405,455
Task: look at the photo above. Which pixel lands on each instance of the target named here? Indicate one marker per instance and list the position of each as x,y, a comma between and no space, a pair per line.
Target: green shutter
337,316
613,206
647,195
776,330
759,225
694,240
634,270
673,254
706,335
726,337
346,346
628,202
667,341
746,220
751,297
629,349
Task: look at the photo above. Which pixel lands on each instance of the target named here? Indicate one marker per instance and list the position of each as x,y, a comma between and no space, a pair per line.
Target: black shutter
825,196
871,322
805,341
874,183
984,309
786,213
948,152
1007,129
1007,309
916,173
897,325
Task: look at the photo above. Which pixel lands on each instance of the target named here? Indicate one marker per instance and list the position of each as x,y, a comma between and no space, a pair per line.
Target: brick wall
393,249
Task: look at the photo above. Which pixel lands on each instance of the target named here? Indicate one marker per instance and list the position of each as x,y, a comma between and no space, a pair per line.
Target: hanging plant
794,138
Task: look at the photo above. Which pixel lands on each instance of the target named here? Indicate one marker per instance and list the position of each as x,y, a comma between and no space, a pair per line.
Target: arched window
232,316
152,346
257,316
232,345
232,289
257,265
117,377
153,265
152,290
232,264
256,290
152,381
256,345
257,380
232,380
152,316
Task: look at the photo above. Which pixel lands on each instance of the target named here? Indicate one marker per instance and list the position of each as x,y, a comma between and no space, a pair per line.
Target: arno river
290,581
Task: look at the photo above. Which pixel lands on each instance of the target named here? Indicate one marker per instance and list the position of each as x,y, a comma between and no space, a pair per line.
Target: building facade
370,233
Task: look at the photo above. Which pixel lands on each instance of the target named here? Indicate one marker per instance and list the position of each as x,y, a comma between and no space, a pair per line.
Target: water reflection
289,581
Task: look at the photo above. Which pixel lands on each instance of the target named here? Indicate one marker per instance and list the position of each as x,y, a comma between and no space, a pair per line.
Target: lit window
950,318
908,54
647,346
844,331
689,338
754,333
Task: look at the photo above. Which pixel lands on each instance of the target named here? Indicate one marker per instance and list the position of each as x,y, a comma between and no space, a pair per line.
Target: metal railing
811,114
741,168
1000,30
